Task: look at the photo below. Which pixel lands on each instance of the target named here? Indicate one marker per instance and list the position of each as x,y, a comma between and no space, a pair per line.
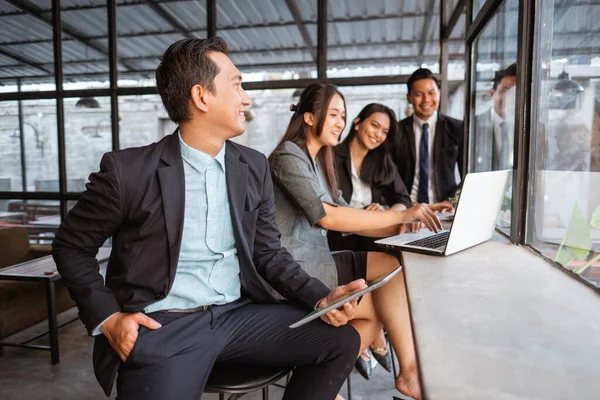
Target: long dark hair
378,167
315,99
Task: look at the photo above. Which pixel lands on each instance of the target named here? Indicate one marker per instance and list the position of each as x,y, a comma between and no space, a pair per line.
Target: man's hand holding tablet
340,304
339,317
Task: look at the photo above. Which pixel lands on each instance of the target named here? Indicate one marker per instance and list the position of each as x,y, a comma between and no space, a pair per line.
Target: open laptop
474,220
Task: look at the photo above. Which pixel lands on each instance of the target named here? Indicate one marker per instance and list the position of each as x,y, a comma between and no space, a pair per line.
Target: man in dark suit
493,135
192,221
428,145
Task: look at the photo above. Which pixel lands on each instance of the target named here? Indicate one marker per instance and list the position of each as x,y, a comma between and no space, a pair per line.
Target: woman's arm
375,223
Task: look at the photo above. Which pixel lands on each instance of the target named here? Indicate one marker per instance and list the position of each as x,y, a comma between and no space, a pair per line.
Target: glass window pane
27,49
394,39
142,120
11,167
564,221
85,44
41,216
146,30
270,40
41,146
87,137
493,96
270,111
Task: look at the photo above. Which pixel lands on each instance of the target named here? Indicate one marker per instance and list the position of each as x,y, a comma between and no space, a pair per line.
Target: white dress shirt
418,128
361,192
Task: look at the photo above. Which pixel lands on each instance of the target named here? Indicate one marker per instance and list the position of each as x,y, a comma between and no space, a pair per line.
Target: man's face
499,94
424,97
227,105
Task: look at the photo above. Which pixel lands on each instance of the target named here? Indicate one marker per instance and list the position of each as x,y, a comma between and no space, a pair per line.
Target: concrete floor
28,374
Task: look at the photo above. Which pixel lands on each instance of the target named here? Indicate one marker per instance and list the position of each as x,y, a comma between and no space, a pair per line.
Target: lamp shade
87,102
566,85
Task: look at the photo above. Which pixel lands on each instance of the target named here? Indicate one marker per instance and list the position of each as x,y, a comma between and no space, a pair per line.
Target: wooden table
43,269
12,217
497,321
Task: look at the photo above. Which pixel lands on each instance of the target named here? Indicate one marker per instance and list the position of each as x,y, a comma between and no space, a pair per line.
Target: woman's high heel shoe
383,356
363,365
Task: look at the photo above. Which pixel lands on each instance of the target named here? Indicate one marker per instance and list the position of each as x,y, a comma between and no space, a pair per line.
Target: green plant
454,199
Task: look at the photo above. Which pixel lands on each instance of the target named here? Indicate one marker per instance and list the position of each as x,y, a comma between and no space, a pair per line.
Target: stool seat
235,378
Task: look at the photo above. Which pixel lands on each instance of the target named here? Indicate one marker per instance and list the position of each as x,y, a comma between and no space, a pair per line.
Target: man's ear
309,119
408,98
198,97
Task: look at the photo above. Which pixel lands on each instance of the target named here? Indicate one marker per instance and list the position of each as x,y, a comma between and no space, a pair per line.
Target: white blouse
361,192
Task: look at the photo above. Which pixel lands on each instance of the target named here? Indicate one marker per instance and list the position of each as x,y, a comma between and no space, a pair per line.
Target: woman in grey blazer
309,203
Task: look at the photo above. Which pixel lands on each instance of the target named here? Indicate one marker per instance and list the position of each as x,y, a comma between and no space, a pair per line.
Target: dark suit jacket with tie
138,198
447,152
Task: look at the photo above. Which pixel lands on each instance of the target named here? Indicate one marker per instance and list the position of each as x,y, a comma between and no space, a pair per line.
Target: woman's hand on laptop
341,316
423,213
442,206
411,227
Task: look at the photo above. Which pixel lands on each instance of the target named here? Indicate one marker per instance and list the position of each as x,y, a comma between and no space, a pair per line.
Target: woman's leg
391,305
365,322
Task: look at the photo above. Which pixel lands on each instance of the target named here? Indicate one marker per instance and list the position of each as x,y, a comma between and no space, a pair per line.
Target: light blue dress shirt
208,271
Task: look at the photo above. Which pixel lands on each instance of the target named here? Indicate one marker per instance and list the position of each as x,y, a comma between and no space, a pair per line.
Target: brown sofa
23,304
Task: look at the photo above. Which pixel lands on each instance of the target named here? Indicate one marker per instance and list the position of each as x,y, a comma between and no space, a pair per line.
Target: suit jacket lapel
172,189
438,139
410,132
236,173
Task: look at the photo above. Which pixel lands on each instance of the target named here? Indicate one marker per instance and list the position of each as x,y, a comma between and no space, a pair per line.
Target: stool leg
265,393
349,388
221,396
394,364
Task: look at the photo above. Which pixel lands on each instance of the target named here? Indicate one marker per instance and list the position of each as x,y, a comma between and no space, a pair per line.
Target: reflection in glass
494,95
565,140
142,120
11,167
87,137
36,139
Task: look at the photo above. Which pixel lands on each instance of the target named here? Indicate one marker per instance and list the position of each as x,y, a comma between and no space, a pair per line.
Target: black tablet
340,301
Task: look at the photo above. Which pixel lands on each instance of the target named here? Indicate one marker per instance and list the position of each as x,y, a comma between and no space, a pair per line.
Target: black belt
189,310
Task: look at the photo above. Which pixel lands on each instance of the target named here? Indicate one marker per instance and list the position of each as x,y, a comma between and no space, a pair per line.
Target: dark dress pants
174,361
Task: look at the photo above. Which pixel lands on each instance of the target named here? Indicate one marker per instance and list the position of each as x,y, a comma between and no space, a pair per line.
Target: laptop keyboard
431,242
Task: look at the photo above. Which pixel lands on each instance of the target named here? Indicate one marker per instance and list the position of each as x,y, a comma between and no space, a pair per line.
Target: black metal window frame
114,92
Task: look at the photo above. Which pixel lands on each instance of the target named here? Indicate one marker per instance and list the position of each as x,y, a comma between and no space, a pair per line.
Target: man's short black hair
421,73
186,63
511,70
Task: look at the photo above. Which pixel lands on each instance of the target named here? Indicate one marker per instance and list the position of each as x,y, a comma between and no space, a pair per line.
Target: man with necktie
429,145
494,128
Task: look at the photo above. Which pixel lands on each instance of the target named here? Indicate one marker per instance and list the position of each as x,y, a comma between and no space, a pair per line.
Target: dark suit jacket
137,197
447,152
390,194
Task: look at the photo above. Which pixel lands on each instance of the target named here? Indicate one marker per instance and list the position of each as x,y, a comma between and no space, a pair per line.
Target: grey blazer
300,190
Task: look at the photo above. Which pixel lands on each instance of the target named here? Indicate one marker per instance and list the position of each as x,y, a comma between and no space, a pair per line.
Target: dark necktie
423,193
